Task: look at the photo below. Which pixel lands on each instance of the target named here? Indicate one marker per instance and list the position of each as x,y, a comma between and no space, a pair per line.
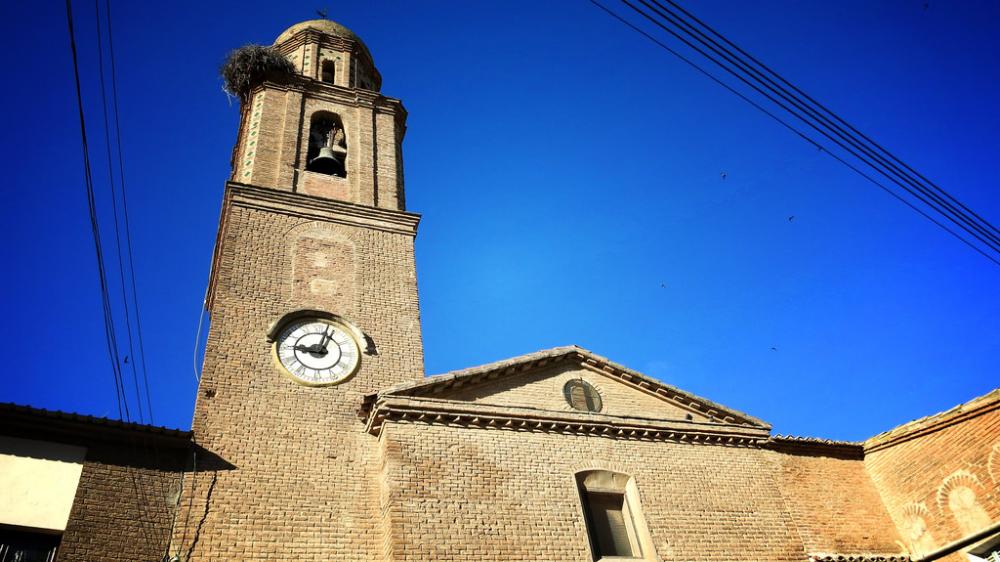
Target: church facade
317,436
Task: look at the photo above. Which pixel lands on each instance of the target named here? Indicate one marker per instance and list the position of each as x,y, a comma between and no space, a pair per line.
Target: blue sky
569,176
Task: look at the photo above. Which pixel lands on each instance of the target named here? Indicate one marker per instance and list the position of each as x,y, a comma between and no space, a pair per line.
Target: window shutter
593,399
608,524
578,398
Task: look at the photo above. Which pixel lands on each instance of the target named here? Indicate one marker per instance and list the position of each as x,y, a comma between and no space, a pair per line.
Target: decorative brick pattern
934,474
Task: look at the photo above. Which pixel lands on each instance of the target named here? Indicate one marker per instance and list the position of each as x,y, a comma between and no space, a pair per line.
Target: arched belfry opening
327,145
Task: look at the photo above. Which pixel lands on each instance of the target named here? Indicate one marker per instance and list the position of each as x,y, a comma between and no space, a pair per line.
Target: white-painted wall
38,482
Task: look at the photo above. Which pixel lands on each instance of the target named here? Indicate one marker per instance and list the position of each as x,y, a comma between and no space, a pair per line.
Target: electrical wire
822,123
789,127
822,107
128,229
114,210
109,334
818,129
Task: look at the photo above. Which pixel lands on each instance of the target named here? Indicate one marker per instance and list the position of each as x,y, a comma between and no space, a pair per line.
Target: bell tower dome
327,131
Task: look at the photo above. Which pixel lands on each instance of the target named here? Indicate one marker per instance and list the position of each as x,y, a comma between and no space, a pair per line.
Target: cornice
335,93
823,557
398,409
320,208
931,424
816,446
324,40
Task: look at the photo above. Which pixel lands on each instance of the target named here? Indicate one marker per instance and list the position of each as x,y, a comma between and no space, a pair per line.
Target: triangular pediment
537,383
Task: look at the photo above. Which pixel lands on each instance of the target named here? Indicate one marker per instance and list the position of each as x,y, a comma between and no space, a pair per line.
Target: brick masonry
124,505
939,476
131,478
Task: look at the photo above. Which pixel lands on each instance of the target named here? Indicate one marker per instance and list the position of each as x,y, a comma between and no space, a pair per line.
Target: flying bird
774,349
723,176
791,218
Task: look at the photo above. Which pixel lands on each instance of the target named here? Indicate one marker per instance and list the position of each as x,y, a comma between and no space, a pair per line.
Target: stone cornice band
319,208
444,412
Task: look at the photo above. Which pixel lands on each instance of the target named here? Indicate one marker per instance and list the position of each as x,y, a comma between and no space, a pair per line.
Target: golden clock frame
352,331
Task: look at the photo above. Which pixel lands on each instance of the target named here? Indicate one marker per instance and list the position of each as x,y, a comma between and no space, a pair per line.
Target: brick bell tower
313,304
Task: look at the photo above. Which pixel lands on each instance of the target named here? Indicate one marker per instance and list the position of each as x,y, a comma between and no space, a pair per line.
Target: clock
317,351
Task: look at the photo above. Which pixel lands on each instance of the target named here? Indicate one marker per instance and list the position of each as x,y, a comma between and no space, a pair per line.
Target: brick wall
544,390
274,141
295,477
938,476
480,494
833,502
124,504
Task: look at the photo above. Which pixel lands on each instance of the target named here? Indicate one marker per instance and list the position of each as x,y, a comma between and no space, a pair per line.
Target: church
317,436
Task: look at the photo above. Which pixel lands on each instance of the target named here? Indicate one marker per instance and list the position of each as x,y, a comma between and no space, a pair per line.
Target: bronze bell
329,161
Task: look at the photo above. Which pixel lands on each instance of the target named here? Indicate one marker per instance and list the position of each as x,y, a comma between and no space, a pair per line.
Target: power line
114,210
827,110
818,121
140,489
109,329
128,229
977,228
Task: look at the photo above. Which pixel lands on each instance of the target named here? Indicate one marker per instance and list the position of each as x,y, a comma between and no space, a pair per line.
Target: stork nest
250,65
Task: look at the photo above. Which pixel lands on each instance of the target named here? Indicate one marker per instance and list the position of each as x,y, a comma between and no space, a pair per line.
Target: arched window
328,71
327,152
615,525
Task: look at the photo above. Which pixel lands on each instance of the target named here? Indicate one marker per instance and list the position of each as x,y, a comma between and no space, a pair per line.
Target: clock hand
316,348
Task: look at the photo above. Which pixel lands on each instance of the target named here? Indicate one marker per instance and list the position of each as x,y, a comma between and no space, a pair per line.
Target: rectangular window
607,518
616,529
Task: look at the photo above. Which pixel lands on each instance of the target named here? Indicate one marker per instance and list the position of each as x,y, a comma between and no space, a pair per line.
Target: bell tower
313,305
331,135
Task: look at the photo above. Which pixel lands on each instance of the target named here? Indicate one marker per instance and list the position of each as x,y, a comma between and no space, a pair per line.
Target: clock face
317,351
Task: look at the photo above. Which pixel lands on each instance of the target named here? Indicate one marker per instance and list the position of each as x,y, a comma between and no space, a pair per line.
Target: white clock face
317,351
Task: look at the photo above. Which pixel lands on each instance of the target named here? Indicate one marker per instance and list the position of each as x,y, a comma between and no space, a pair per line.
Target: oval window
582,396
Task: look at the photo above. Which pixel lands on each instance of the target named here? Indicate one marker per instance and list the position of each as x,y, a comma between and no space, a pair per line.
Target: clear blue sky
567,170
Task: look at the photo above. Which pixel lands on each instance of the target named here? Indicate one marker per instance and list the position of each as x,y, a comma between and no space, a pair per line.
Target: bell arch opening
327,152
328,71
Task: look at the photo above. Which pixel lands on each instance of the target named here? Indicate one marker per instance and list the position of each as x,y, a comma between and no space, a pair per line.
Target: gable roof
431,386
